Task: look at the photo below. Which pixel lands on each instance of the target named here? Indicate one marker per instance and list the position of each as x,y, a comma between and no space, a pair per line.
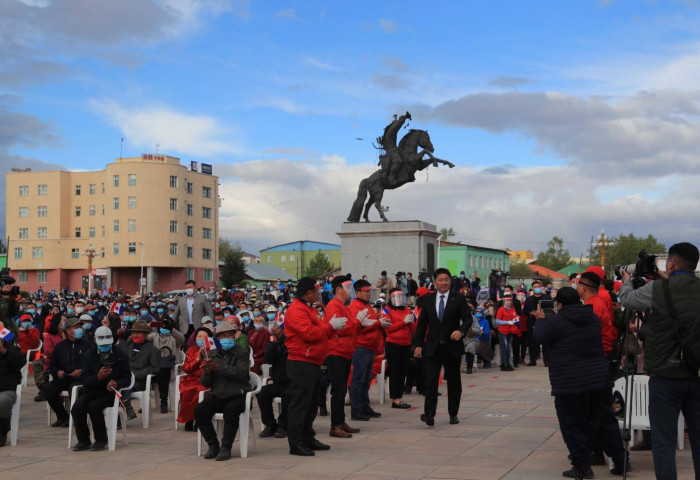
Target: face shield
349,289
398,299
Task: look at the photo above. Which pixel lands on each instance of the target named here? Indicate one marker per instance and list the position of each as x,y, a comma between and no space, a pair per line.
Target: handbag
485,351
167,361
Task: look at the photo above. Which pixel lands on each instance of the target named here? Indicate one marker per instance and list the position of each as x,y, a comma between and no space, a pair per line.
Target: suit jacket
145,362
200,308
457,316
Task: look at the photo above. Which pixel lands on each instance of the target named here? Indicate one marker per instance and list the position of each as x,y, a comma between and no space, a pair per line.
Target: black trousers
433,364
470,360
231,408
397,367
520,345
91,403
265,397
339,371
534,346
304,386
52,391
163,379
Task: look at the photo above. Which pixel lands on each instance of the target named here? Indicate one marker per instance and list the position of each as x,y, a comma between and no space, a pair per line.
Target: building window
132,179
173,204
132,248
471,265
91,189
43,189
22,276
292,258
103,231
24,190
102,252
206,212
77,232
18,253
41,276
92,232
190,252
206,192
77,189
132,202
116,225
77,211
173,226
190,274
92,210
42,211
115,180
102,187
190,209
283,258
103,209
116,203
23,233
189,186
132,225
74,253
24,212
206,254
173,181
206,233
269,259
41,232
207,275
37,252
115,248
173,249
190,231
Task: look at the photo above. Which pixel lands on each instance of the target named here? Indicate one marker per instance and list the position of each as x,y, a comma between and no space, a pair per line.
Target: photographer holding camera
674,301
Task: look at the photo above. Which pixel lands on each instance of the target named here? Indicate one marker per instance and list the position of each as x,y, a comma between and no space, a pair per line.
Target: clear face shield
398,299
349,289
318,298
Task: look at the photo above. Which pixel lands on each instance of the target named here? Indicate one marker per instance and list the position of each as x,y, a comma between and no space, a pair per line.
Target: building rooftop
261,271
302,245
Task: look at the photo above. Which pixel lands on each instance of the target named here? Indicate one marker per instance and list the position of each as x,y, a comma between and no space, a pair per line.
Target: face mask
160,310
461,276
99,304
138,340
144,313
549,289
255,314
200,342
227,343
153,309
189,291
26,324
538,291
129,318
479,316
104,348
218,322
31,311
245,319
202,292
258,326
39,305
164,331
78,334
79,310
87,326
227,314
137,305
92,313
271,316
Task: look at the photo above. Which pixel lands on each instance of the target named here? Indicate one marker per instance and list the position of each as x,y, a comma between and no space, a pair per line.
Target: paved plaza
507,430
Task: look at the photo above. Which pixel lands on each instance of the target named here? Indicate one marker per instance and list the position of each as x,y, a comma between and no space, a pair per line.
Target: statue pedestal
369,248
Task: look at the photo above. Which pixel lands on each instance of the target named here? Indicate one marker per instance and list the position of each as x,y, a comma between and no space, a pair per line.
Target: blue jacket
576,360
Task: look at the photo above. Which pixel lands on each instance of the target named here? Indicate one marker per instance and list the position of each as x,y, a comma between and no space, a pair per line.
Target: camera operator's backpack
689,339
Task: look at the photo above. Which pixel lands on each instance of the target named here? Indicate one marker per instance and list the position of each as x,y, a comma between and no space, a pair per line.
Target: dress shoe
349,429
371,413
40,397
316,445
281,433
509,367
359,416
338,432
578,473
618,464
302,450
130,413
99,445
401,405
189,426
469,371
164,407
224,453
213,451
82,446
429,421
454,420
268,431
323,411
61,422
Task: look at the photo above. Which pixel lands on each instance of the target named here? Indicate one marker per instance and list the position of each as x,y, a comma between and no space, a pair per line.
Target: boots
4,428
224,452
130,413
163,404
213,450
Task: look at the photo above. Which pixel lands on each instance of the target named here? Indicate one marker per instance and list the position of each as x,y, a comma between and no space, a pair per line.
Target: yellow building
521,255
145,212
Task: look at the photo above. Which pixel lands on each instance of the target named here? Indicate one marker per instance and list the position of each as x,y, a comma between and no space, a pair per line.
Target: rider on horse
390,161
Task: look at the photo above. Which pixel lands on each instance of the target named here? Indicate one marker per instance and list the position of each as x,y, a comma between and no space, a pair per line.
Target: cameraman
673,386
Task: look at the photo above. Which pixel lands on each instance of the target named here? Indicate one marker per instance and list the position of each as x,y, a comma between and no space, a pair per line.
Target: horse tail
356,210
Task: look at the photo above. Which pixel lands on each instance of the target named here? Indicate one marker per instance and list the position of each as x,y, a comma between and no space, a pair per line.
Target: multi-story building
295,257
146,213
473,260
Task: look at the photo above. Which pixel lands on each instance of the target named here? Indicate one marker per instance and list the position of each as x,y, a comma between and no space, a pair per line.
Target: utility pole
603,242
90,253
141,285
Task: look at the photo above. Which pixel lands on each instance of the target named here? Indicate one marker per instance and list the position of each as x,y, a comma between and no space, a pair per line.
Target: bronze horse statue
411,161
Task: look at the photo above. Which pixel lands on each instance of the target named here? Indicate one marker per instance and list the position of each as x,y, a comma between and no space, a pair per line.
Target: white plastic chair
265,367
25,369
245,424
14,419
176,399
381,383
639,405
144,398
111,414
172,389
65,395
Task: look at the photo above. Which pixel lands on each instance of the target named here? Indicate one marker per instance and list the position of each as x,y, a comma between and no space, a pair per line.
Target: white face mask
189,291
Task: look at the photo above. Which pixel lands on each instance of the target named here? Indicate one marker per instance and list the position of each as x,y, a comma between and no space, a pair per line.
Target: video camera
644,268
6,279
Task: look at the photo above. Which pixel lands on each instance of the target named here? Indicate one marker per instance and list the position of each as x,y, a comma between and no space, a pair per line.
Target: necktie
441,307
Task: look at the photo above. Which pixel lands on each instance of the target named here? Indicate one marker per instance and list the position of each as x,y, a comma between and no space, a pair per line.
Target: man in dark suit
191,309
444,321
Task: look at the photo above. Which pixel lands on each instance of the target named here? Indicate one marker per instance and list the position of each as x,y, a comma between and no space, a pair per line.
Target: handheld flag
6,335
385,311
116,308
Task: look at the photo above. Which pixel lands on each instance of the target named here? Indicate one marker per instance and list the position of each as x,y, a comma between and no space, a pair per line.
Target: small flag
209,343
386,311
6,335
119,396
116,308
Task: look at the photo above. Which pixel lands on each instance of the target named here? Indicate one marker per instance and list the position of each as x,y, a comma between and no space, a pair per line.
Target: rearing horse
411,162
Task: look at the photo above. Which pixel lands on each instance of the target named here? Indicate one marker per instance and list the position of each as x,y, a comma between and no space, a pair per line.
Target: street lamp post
90,253
141,285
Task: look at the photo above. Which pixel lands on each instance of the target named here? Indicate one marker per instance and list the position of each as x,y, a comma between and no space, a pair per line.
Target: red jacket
399,332
507,315
28,339
306,332
258,340
367,337
606,322
342,342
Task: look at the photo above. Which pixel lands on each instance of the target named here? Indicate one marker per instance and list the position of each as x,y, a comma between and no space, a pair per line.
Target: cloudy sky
561,120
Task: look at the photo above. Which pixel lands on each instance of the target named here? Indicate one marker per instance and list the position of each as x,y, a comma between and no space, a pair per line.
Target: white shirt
437,300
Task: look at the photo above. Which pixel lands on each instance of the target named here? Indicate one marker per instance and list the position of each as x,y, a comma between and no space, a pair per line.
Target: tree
625,250
233,271
318,266
519,269
446,234
556,256
225,247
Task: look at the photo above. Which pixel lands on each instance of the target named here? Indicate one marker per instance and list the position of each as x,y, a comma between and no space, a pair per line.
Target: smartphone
547,306
156,324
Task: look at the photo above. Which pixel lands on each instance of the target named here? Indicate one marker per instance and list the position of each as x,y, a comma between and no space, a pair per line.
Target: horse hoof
385,220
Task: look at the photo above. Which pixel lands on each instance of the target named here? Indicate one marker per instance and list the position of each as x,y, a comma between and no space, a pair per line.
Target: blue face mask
258,326
271,316
160,310
245,319
538,291
144,313
129,318
87,326
153,309
479,316
78,334
31,311
92,313
104,348
227,314
69,310
136,306
227,343
164,331
200,342
26,324
39,305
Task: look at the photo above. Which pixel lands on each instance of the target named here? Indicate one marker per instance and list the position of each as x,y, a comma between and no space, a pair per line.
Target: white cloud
389,26
174,131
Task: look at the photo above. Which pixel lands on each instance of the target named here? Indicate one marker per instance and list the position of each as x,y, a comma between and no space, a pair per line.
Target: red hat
617,286
422,291
25,317
597,270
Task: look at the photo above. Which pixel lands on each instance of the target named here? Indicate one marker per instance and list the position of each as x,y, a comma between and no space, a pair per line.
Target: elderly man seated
226,374
144,360
11,362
